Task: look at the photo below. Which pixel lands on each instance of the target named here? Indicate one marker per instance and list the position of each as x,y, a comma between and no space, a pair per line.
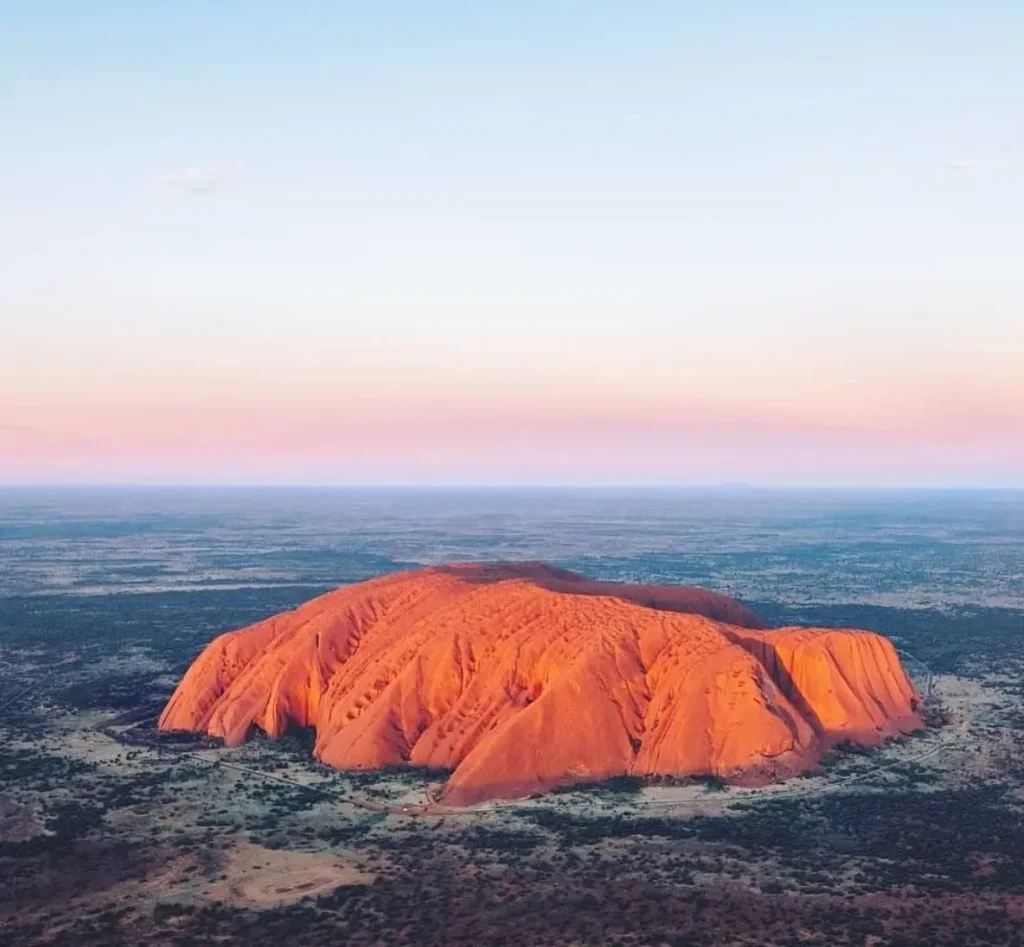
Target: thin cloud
959,167
191,180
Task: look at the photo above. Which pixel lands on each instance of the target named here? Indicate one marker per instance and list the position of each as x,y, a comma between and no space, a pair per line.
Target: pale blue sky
579,198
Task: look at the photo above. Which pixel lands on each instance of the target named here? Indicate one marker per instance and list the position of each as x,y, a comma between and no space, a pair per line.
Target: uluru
520,677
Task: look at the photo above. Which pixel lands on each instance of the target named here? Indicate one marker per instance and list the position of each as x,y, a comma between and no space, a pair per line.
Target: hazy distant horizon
906,547
512,487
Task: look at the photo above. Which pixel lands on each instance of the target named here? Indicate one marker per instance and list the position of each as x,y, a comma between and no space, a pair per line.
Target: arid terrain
113,832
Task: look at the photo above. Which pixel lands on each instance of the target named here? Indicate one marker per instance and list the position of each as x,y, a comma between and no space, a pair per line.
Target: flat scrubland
113,833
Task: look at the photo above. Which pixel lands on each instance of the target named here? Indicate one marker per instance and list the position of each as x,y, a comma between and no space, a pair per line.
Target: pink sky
264,429
621,393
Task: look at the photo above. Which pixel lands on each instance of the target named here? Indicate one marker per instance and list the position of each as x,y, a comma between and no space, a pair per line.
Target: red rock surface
520,677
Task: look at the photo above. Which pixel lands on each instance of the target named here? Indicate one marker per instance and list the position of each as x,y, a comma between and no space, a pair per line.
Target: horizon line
499,486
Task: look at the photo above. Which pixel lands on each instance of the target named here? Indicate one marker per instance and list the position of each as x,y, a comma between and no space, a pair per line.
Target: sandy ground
16,822
260,877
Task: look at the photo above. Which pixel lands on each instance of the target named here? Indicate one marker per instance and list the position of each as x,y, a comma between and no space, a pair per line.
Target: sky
512,243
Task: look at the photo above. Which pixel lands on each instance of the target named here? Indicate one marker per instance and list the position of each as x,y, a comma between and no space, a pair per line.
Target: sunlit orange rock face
521,677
